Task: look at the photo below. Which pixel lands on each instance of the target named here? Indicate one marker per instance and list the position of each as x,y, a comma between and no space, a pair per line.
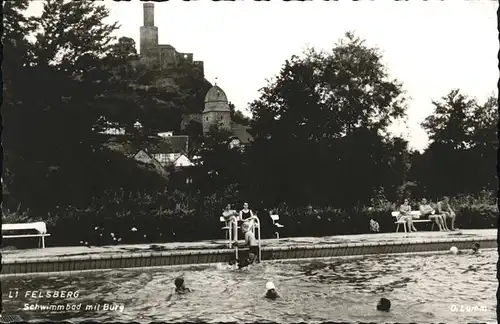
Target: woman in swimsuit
405,212
245,213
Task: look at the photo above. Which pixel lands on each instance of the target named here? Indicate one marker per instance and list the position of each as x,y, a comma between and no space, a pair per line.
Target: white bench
40,227
275,219
415,215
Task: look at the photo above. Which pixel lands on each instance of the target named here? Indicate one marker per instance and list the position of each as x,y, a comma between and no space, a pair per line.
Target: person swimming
384,305
271,292
180,286
475,249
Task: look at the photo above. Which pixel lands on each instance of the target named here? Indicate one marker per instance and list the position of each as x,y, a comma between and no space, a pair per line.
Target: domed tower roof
215,94
216,100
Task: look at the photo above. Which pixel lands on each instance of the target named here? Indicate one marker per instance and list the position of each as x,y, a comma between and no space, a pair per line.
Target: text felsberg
51,294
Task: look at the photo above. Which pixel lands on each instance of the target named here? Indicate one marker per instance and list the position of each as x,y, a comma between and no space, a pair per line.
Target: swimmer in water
384,305
271,292
180,286
475,249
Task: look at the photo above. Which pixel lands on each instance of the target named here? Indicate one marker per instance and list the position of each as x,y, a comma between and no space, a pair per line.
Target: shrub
163,216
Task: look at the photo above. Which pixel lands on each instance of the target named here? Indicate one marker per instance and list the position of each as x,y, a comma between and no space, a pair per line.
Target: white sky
431,47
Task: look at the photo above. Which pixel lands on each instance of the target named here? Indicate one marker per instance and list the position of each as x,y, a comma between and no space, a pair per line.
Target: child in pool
475,249
251,242
180,287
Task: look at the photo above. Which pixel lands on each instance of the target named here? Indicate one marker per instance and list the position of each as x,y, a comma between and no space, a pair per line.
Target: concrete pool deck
82,258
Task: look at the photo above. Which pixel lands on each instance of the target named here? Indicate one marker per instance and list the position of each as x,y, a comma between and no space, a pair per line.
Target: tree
218,165
317,122
238,117
450,123
53,92
462,153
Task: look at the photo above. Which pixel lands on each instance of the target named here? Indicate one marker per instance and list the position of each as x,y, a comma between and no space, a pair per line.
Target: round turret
216,99
217,112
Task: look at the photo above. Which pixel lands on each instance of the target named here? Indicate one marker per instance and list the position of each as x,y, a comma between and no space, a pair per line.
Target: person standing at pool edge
444,208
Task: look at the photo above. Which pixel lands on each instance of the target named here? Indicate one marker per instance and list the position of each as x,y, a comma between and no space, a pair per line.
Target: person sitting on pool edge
427,211
246,213
180,286
405,214
251,242
227,214
271,292
444,208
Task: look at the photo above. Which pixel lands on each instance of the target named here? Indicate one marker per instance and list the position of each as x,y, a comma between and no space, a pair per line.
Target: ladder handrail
234,220
260,252
257,225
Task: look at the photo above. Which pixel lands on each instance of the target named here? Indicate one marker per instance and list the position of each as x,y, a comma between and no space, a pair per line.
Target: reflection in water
424,288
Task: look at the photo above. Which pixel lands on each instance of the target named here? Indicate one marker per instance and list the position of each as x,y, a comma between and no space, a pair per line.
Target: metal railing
233,223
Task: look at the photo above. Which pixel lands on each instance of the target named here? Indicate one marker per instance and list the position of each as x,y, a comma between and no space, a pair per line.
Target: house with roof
149,162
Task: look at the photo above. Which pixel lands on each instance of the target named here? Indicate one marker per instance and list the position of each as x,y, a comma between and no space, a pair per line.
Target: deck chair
275,218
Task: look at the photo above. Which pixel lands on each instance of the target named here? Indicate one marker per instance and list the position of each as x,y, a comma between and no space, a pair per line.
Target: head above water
179,282
271,291
270,286
384,305
476,246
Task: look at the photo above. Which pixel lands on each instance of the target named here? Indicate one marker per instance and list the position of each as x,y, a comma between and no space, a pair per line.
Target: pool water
422,288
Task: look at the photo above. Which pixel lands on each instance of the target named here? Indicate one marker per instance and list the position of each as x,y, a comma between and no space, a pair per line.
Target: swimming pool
422,288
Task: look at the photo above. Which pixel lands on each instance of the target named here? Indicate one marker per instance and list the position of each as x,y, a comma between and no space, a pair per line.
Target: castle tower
149,34
217,111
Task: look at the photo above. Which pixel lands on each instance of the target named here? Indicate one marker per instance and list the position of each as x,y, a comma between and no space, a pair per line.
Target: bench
275,219
415,214
40,227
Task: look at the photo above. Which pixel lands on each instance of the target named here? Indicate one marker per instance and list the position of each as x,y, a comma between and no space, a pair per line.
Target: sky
431,47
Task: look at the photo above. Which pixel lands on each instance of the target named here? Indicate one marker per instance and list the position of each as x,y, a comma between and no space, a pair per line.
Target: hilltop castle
216,105
157,55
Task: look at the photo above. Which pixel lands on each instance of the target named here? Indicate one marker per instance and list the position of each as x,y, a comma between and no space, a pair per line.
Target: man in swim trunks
444,208
251,242
427,211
